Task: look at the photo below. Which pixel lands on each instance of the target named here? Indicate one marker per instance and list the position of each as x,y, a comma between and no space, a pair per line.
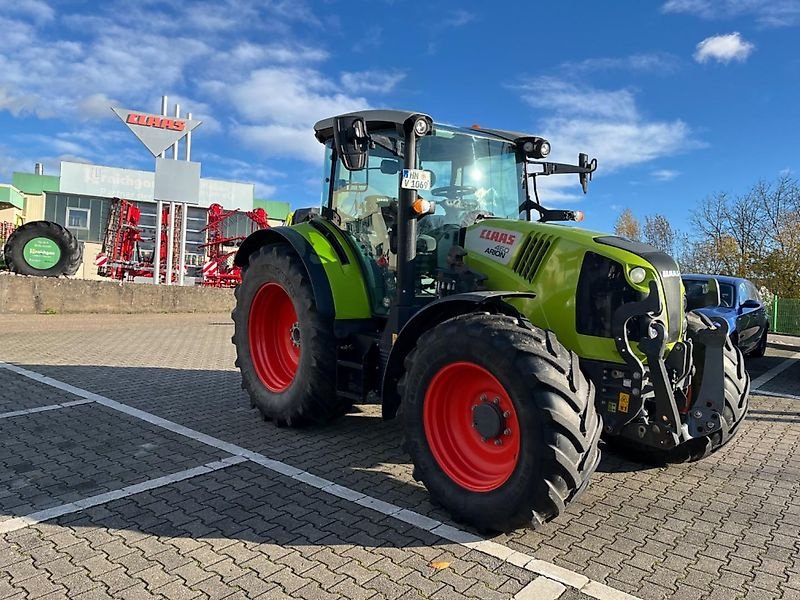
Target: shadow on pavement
359,451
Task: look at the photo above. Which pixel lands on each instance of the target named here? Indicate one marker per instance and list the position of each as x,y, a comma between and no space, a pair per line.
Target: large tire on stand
43,248
500,422
286,350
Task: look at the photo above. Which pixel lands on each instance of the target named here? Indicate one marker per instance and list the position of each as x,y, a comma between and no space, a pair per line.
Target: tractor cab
452,178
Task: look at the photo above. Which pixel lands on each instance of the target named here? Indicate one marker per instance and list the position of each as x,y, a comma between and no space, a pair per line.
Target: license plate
416,179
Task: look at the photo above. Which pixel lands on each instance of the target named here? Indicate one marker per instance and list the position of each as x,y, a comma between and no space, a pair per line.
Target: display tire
70,249
290,386
737,391
551,412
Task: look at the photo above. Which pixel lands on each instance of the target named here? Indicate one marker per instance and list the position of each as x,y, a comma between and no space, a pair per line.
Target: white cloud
567,98
281,124
664,174
767,13
96,106
606,124
282,141
377,82
458,18
724,48
658,63
266,94
37,10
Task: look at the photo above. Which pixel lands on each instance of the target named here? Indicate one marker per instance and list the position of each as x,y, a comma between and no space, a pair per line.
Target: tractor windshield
471,175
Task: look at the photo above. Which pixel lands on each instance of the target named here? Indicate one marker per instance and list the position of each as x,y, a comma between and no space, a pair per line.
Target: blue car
740,307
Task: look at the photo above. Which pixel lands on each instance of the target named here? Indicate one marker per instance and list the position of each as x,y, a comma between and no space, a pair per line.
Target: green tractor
507,345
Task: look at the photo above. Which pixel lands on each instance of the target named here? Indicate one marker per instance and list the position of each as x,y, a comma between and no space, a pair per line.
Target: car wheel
761,349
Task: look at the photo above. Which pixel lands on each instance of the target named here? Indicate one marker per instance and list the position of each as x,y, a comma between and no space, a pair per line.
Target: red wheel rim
473,462
274,336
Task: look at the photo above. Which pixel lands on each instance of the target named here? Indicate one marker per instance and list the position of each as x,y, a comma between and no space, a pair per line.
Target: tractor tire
500,422
43,248
286,350
737,391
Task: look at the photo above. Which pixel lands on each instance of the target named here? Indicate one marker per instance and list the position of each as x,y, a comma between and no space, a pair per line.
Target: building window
77,218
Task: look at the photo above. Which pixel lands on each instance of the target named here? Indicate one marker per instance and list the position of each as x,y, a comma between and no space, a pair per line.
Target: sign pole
184,215
157,248
159,208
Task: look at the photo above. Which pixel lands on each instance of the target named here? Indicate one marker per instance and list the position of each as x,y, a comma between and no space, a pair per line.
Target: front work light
536,147
421,127
637,274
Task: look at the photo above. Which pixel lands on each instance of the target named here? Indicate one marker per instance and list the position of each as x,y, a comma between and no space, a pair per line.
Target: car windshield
697,288
470,174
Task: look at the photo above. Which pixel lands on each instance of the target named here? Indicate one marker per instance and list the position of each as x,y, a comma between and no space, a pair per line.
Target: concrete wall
30,295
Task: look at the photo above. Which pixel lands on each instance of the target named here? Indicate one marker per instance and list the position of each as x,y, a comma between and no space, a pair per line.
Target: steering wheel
456,191
454,197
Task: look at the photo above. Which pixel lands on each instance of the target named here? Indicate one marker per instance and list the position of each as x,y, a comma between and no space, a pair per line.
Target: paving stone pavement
727,526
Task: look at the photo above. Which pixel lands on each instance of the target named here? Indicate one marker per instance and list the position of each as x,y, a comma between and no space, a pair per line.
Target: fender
323,296
431,315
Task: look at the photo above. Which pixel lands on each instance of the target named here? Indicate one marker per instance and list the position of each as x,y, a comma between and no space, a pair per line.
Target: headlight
421,127
637,274
544,149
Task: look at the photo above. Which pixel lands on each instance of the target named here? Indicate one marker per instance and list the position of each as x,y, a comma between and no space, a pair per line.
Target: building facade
80,199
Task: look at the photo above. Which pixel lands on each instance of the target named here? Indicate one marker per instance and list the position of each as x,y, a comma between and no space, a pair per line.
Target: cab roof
388,118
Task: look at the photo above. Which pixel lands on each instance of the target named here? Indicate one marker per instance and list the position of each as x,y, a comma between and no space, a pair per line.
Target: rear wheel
500,425
761,349
43,248
285,348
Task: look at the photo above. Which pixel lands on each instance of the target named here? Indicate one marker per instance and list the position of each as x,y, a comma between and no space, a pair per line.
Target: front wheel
500,422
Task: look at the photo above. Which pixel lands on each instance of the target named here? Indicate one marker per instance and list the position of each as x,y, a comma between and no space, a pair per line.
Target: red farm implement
218,269
121,257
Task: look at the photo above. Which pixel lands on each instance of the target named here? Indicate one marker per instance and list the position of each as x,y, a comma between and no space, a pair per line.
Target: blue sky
677,99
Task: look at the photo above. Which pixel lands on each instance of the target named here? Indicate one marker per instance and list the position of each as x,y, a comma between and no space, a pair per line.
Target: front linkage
659,405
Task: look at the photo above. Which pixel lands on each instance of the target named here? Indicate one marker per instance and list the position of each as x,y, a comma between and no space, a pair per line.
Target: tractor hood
580,277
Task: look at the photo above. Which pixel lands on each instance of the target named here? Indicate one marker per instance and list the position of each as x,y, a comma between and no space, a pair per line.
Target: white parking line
775,394
541,588
774,371
30,411
16,523
464,538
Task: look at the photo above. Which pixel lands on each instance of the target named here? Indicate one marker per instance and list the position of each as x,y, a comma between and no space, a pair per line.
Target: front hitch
663,430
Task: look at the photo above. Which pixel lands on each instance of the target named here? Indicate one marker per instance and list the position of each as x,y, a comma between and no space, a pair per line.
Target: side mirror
390,167
751,303
351,141
583,163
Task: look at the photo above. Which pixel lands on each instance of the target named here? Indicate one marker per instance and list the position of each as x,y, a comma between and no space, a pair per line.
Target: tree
756,235
627,226
658,232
